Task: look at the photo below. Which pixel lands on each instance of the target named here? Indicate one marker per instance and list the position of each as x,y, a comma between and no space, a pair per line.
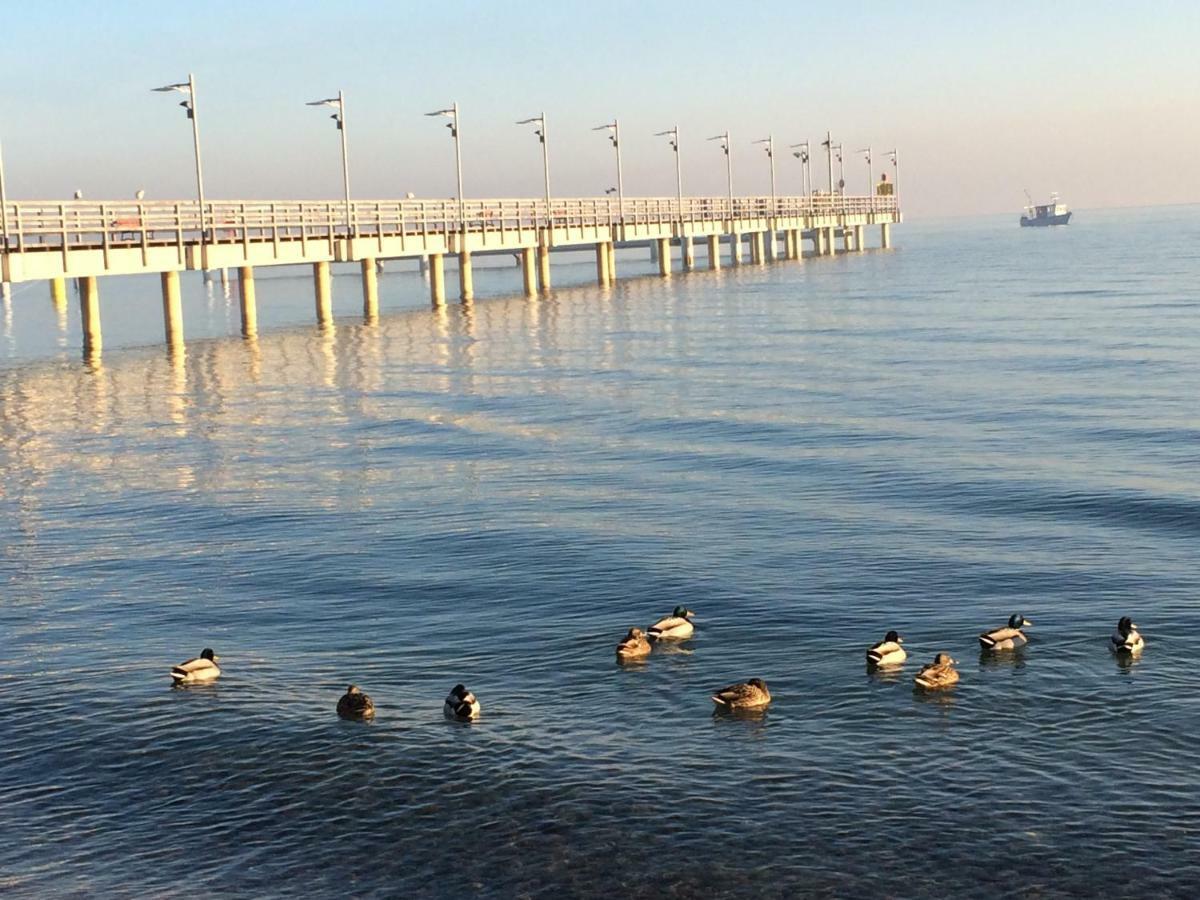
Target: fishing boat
1052,213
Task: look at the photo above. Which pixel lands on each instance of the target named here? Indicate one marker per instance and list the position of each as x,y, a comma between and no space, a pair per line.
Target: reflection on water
493,493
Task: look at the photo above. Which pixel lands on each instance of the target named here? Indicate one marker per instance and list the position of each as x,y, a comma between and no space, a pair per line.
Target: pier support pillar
830,239
756,248
664,255
543,255
612,261
172,309
847,239
735,249
249,302
602,263
89,314
529,271
323,289
688,253
370,286
437,279
714,251
885,236
58,292
466,277
860,238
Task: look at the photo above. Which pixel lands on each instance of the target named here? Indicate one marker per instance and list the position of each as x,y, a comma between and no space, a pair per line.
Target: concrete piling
370,289
172,309
612,262
664,256
58,292
757,248
247,301
885,236
89,314
437,279
602,263
687,254
860,238
528,271
714,251
323,291
466,277
543,257
735,249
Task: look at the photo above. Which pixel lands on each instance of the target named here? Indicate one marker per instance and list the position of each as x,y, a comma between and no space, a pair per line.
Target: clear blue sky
1097,100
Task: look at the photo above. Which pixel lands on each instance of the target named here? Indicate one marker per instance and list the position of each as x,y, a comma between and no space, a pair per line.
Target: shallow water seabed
987,420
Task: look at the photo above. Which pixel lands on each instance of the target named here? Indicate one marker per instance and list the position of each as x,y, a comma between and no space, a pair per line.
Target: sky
1099,101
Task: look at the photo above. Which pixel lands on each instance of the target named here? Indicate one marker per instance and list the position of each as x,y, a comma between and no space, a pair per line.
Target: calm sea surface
986,420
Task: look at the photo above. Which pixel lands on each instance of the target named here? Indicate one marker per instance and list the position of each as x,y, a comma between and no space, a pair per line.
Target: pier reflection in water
494,493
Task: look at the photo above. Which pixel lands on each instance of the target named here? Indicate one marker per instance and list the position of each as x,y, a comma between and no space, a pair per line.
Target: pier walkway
86,240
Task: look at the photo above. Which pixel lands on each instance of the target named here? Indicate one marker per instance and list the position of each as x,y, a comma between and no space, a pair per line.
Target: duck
675,627
887,652
461,704
752,694
1126,640
354,704
938,674
197,671
633,646
1009,637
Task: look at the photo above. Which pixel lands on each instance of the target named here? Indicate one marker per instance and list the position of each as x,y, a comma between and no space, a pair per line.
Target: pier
89,240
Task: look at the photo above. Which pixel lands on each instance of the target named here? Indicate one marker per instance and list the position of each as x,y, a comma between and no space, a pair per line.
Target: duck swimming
752,694
634,646
675,627
196,671
938,674
461,704
1126,640
354,704
887,652
1010,637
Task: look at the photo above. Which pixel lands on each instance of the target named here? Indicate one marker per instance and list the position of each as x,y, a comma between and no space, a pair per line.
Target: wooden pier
86,240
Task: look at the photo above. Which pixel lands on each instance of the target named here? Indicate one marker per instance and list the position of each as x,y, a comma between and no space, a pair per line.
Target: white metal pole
678,175
196,146
345,158
829,159
462,209
546,171
729,172
620,183
771,157
3,204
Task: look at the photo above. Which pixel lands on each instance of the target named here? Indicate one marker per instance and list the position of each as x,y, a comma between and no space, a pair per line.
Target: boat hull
1042,221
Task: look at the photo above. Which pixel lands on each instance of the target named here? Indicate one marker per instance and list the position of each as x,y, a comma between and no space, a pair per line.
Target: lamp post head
611,128
770,142
452,115
540,131
673,134
336,103
183,88
724,139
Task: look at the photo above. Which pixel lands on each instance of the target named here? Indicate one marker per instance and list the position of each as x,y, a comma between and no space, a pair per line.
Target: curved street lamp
452,115
339,103
614,135
189,88
770,142
540,121
724,139
673,134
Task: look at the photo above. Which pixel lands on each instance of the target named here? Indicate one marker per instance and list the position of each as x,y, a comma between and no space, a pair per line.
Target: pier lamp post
614,135
770,142
3,206
673,134
838,148
895,157
452,115
189,88
339,103
724,139
802,152
540,121
828,145
866,152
